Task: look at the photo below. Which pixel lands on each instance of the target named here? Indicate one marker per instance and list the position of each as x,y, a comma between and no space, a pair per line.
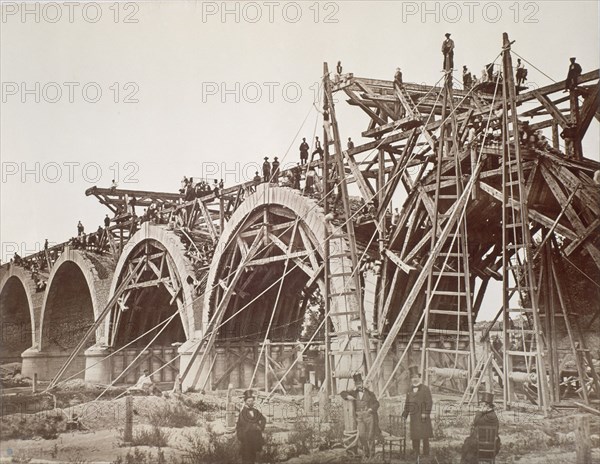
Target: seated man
146,385
484,417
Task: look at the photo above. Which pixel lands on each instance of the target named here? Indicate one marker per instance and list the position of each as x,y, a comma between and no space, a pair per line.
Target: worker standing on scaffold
448,52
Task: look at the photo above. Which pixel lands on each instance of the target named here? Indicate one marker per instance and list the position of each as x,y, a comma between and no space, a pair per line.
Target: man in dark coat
318,148
275,170
418,406
573,75
304,151
249,428
485,417
448,52
266,169
366,407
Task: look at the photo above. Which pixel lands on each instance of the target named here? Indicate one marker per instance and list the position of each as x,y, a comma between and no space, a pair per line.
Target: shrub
333,435
47,426
153,437
218,448
141,457
172,416
271,449
302,438
197,404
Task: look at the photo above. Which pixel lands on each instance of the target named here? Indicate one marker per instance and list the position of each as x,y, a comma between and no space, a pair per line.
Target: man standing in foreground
418,406
366,406
249,428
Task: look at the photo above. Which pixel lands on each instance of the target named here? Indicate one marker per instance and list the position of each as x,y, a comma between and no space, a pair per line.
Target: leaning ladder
351,290
523,346
449,296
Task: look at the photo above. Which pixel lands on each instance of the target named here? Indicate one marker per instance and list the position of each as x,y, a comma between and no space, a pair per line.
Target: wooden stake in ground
230,412
308,387
128,431
583,445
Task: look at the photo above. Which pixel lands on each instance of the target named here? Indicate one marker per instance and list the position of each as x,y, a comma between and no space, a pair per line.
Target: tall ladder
524,362
356,344
448,308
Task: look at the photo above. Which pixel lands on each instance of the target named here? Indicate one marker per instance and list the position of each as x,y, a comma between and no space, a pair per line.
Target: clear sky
209,88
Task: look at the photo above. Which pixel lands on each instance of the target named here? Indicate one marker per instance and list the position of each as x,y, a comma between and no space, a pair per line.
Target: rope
139,355
113,353
533,66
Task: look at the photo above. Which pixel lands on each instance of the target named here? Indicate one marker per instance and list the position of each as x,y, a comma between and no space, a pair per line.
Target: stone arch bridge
274,283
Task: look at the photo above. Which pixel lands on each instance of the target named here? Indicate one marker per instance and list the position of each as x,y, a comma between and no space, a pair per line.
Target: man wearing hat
275,170
418,406
366,406
304,151
484,417
448,52
249,428
573,75
318,148
266,169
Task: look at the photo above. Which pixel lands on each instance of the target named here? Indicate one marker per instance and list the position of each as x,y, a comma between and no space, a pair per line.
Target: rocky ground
192,428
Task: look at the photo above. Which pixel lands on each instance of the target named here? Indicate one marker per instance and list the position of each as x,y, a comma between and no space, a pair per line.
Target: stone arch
76,289
170,242
17,316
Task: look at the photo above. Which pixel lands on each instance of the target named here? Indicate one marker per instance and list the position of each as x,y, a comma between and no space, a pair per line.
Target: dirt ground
526,437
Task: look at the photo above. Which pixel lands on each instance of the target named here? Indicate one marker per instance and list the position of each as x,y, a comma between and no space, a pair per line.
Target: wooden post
267,354
34,384
308,398
349,417
230,408
323,405
128,431
582,440
576,148
555,141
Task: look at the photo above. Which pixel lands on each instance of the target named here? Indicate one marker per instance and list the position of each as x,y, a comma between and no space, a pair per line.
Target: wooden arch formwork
155,310
267,264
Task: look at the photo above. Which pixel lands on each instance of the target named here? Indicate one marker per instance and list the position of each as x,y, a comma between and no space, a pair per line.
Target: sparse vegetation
302,438
141,457
45,425
154,436
216,449
172,415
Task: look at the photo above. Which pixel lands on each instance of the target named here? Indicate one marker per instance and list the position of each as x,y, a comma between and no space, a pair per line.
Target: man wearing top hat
249,428
448,52
487,417
366,406
418,406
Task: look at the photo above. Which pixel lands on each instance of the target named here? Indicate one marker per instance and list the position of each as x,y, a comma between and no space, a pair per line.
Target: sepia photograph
302,232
